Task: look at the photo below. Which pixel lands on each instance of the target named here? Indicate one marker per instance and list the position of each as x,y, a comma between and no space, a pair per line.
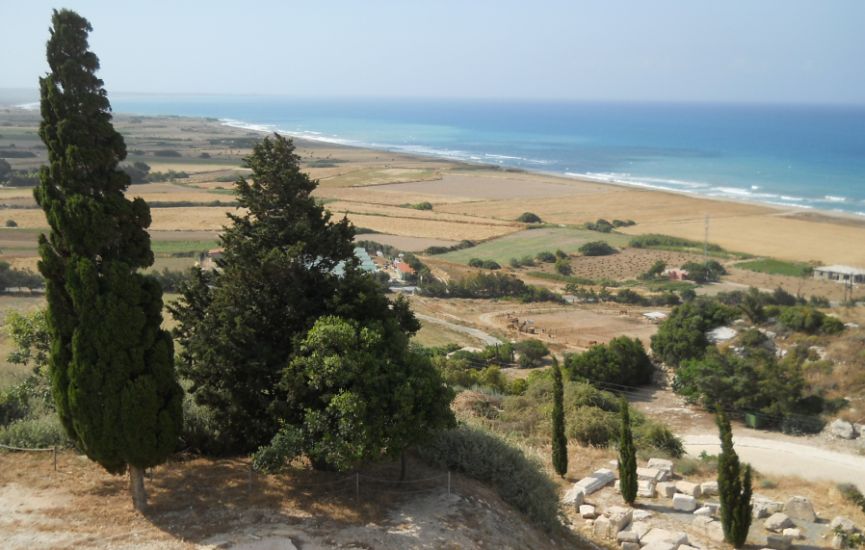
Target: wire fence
52,450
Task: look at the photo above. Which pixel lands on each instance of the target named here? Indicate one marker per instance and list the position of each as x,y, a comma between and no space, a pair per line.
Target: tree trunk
136,487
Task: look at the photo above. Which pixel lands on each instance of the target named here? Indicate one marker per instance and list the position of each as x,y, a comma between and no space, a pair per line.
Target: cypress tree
627,457
560,442
111,364
734,487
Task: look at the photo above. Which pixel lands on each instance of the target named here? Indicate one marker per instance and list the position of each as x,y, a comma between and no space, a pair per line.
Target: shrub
490,264
519,480
601,225
426,205
658,436
11,223
476,262
622,361
707,272
852,494
563,267
592,426
35,433
166,153
561,254
654,240
529,217
204,155
545,257
683,335
532,353
623,223
597,248
810,320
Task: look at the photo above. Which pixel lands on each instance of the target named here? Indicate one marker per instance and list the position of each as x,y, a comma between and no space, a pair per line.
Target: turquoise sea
802,156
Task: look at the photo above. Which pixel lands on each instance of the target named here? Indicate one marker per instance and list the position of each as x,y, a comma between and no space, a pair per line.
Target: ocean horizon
797,156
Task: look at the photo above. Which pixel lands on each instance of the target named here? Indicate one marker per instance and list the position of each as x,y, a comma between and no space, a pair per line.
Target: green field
532,241
777,267
167,248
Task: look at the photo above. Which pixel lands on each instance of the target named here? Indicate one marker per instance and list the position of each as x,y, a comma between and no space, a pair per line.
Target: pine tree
734,487
560,442
111,364
627,457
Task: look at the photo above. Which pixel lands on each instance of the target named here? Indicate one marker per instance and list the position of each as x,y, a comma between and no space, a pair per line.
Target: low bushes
529,217
34,432
597,248
519,480
810,320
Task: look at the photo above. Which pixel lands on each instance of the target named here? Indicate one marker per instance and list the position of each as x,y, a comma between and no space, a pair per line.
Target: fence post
357,487
449,483
55,458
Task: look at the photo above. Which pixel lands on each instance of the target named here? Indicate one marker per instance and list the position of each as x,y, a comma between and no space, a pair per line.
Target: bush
476,262
166,153
532,353
601,225
545,257
810,320
701,273
11,223
529,217
490,264
622,361
683,335
654,240
422,206
659,437
597,248
519,480
563,267
592,426
35,433
623,223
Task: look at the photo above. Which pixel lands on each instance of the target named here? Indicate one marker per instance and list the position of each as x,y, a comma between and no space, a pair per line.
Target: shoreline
792,210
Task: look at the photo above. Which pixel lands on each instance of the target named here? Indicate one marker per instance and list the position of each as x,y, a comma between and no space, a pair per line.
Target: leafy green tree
621,361
655,271
18,278
31,338
627,456
111,364
529,217
734,488
707,272
532,353
5,170
560,442
353,394
238,326
682,336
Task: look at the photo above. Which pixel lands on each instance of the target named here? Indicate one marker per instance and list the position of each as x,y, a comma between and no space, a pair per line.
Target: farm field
408,244
776,267
531,241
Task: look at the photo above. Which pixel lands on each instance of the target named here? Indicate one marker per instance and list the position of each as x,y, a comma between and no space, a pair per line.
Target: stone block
648,473
675,538
640,515
709,488
800,508
596,481
660,546
627,536
777,522
778,542
763,507
640,528
662,464
703,511
709,527
620,517
688,488
665,489
601,527
630,546
646,488
587,511
687,547
793,532
684,503
575,496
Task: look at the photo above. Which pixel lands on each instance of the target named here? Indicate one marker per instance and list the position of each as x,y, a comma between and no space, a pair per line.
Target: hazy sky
731,50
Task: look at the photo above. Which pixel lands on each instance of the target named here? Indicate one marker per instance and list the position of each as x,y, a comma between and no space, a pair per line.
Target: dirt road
487,339
773,456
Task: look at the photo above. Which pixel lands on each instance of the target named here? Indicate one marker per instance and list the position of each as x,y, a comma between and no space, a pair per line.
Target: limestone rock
709,488
627,536
648,473
703,511
640,515
763,507
601,527
587,511
842,523
630,546
684,503
793,532
640,528
688,488
596,481
800,508
674,538
843,429
620,517
646,488
664,465
709,527
660,546
687,547
575,496
777,522
666,489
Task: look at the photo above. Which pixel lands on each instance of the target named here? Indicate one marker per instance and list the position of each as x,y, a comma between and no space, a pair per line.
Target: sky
766,51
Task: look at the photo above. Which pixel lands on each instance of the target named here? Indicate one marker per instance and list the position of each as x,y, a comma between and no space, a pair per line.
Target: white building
840,273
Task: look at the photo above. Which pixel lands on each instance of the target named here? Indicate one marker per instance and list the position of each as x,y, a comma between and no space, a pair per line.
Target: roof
843,269
655,315
721,334
404,267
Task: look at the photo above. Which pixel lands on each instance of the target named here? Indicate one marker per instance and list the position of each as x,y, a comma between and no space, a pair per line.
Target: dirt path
487,339
778,457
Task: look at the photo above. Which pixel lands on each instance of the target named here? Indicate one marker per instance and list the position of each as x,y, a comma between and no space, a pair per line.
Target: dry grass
408,244
402,212
433,229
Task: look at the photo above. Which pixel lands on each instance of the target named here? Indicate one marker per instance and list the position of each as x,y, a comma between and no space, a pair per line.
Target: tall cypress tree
111,364
734,487
627,457
560,442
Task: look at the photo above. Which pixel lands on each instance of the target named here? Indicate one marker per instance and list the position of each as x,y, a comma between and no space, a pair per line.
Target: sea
797,156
